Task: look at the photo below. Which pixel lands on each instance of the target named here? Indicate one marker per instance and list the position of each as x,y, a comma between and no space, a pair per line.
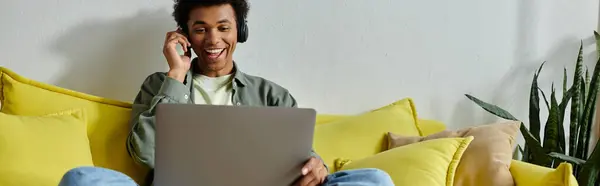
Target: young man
212,28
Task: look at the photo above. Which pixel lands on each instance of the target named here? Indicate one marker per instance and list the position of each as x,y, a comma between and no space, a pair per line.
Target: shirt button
185,96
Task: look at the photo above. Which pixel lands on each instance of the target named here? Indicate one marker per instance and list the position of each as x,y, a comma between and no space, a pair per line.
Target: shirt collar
239,77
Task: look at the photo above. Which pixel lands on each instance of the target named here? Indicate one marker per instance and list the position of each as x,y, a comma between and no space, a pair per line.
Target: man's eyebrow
224,21
199,23
219,22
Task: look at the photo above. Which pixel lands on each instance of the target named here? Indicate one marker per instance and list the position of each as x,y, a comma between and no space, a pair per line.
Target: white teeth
214,51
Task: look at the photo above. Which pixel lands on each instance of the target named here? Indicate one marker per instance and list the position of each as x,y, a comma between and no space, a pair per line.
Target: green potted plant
582,95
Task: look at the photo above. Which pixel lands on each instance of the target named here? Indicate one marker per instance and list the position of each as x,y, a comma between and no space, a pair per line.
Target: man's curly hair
182,9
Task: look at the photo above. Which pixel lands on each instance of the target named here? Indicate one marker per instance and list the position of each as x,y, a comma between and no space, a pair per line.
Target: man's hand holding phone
178,64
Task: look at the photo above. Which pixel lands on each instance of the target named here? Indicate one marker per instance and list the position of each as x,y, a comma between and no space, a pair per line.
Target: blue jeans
95,176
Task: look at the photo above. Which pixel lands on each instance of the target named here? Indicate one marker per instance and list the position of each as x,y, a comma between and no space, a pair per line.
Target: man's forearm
140,142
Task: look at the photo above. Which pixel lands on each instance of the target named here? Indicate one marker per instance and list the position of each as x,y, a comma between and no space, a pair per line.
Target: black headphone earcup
242,32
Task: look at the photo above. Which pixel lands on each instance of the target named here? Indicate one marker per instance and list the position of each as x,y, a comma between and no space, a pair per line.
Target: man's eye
200,30
223,29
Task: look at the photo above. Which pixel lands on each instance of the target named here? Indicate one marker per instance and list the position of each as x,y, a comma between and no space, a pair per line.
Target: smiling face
213,34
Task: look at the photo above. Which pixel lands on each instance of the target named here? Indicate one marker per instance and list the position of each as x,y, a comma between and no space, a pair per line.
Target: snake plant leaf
565,101
575,132
526,155
545,99
591,168
586,128
533,148
597,37
492,108
587,82
520,149
590,106
569,159
562,108
564,81
551,139
534,106
577,102
537,73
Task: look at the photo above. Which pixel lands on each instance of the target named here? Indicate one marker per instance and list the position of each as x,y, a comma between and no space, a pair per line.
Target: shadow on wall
512,91
111,58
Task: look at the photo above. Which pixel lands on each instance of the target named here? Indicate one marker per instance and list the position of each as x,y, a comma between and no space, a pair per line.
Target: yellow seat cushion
363,135
425,163
529,174
38,150
107,120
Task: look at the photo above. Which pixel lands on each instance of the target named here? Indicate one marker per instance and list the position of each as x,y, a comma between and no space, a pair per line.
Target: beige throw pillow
487,159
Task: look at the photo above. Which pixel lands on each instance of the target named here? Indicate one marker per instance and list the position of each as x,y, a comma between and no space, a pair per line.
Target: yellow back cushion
356,137
38,150
328,118
107,120
426,163
429,126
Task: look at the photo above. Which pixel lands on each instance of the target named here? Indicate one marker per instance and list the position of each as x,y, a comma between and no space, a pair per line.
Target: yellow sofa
107,130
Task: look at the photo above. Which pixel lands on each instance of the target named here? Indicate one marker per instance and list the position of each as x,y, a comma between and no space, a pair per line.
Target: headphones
242,32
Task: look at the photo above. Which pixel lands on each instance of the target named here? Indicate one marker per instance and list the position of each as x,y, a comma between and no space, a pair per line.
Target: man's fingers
181,41
171,35
180,35
317,178
314,182
322,174
306,180
306,169
175,35
309,165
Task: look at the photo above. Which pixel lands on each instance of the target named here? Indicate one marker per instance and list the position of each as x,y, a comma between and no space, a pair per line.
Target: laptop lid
231,145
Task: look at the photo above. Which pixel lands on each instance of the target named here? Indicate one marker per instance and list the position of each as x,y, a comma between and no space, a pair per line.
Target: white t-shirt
212,90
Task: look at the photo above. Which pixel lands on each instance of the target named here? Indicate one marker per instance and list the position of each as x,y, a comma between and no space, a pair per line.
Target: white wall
335,56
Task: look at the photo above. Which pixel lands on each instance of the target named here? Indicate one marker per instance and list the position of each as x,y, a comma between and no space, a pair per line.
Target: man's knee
94,176
363,177
76,176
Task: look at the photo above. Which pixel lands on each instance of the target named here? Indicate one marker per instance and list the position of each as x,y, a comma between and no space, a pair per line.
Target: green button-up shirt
159,88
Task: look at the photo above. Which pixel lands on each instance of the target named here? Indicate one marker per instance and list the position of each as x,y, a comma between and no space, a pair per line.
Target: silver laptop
211,145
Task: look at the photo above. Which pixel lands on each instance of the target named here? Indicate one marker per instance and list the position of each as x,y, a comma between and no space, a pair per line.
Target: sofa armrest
526,174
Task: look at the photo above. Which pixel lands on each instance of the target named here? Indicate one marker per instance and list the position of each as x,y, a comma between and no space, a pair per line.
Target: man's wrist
177,75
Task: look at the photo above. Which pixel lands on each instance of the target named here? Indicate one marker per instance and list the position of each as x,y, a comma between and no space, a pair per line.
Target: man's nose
212,38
